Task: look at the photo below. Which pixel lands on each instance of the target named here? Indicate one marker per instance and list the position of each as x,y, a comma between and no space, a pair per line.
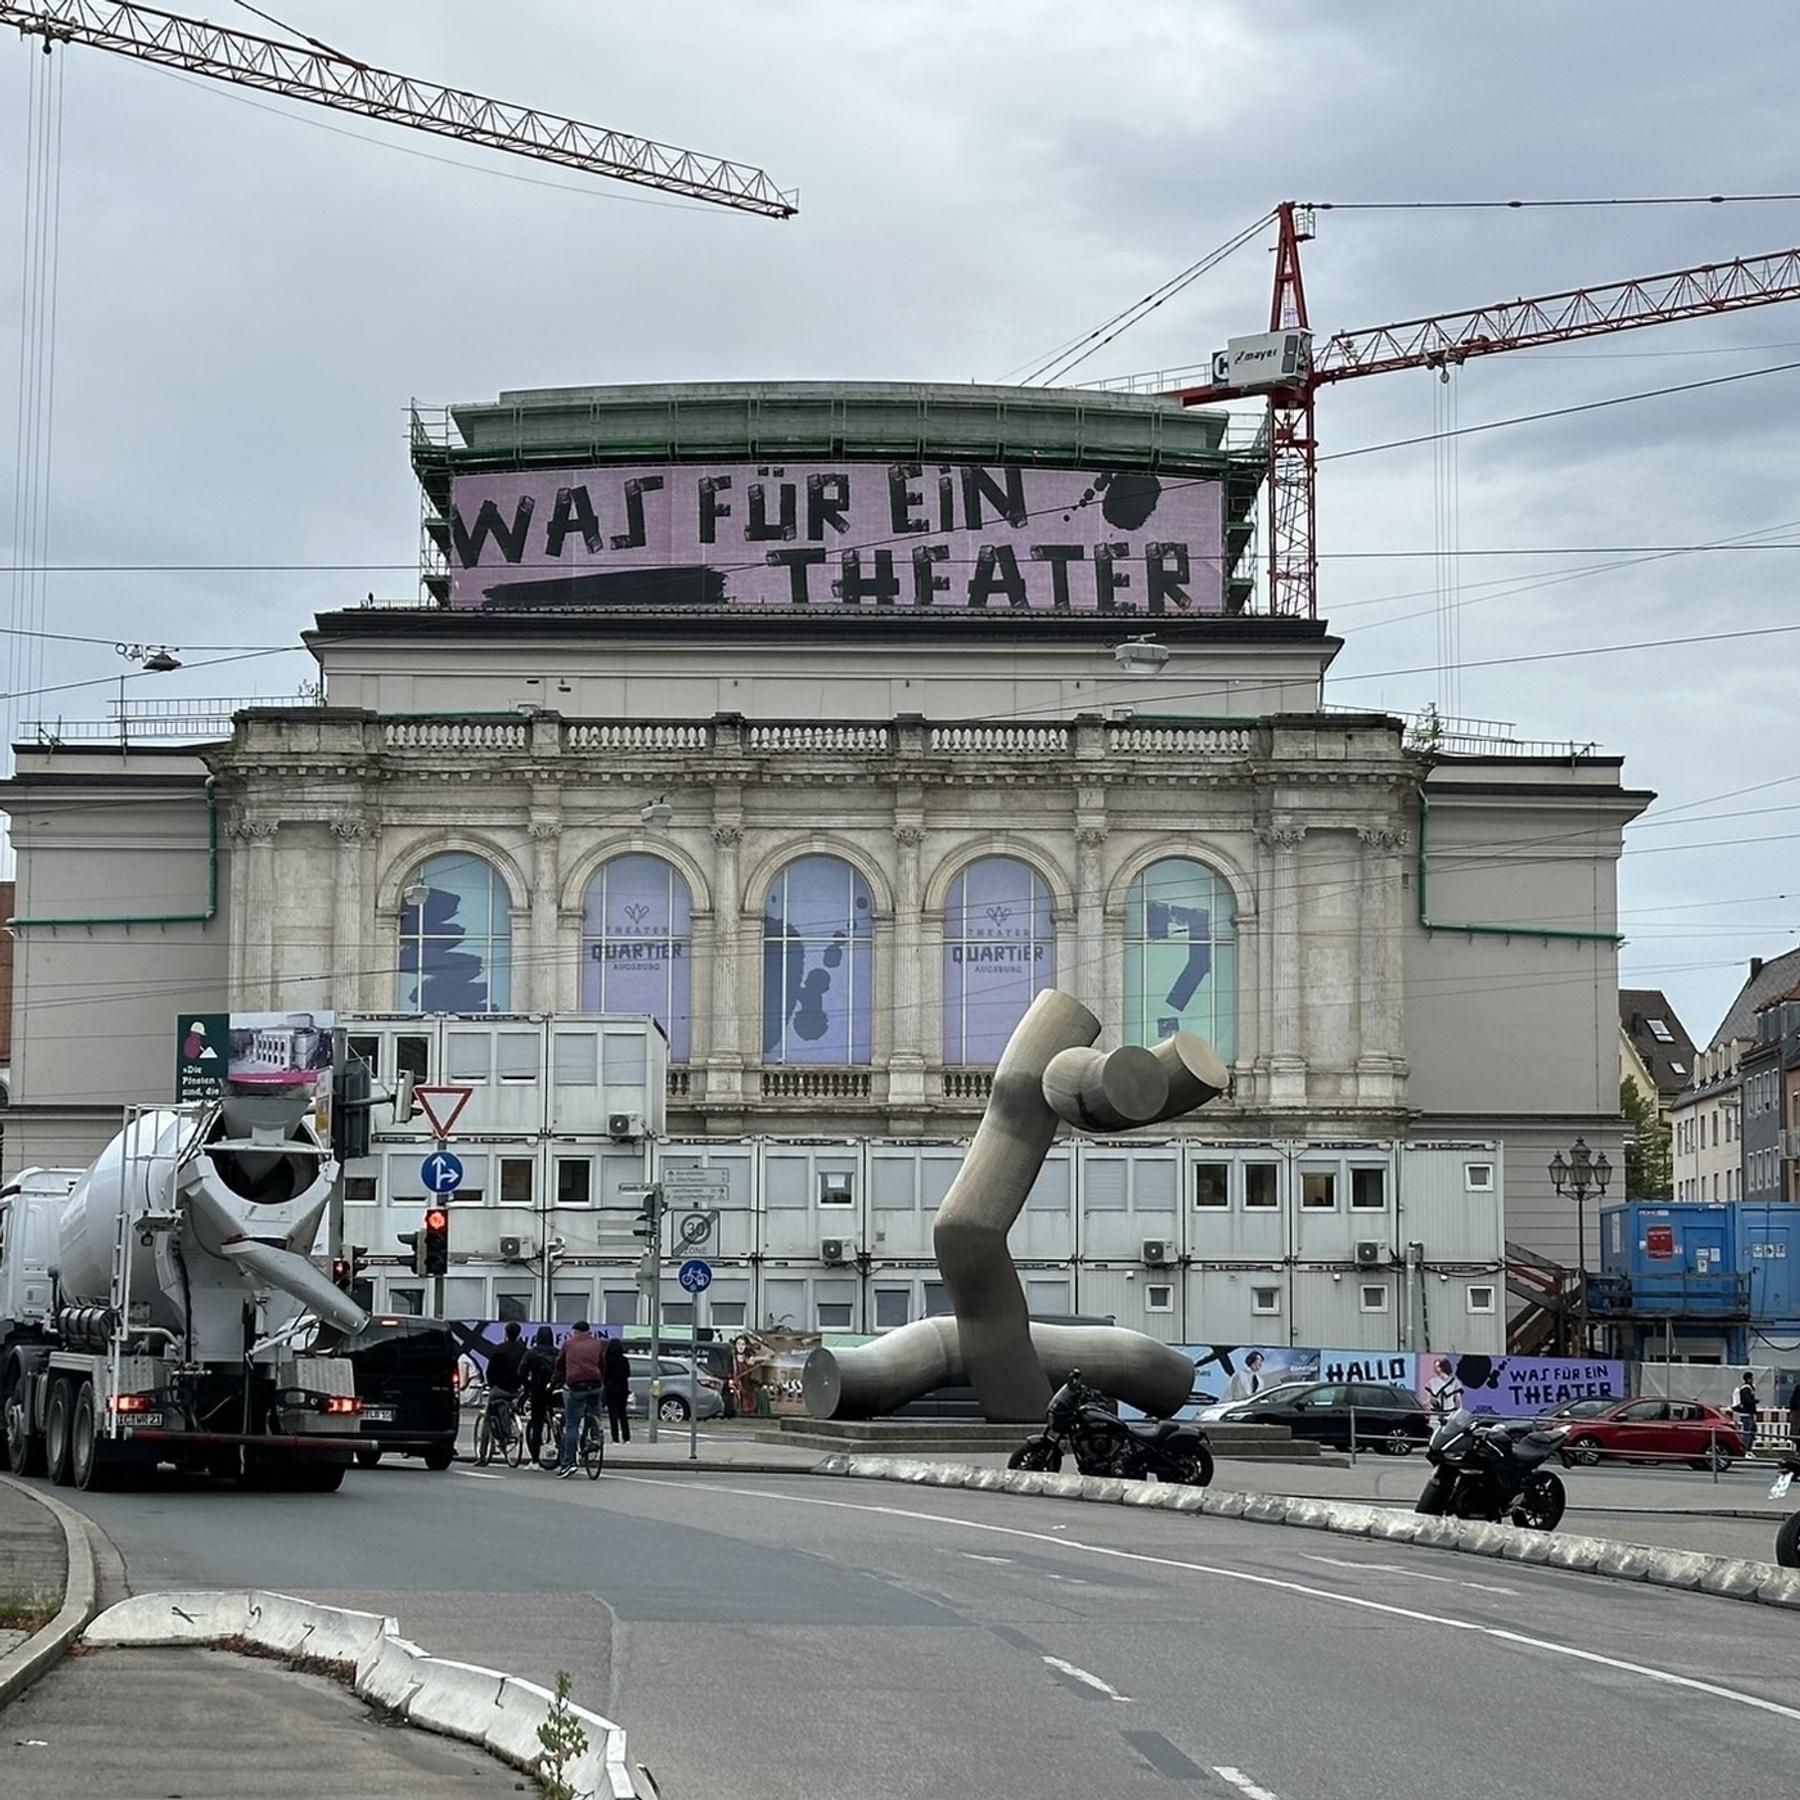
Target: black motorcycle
1494,1469
1787,1539
1102,1443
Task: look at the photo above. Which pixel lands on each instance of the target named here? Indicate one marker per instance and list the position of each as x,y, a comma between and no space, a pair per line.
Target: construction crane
315,73
1285,366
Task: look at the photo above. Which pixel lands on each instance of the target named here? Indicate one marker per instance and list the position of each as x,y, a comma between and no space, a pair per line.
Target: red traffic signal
434,1241
437,1219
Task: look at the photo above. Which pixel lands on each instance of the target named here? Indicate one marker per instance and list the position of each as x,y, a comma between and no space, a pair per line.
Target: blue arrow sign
441,1172
695,1275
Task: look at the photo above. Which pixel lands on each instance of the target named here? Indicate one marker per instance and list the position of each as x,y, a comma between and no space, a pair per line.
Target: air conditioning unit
624,1125
1370,1252
833,1252
1155,1252
512,1249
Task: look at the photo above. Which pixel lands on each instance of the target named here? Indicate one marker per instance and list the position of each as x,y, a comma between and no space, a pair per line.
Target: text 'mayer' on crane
1289,367
315,73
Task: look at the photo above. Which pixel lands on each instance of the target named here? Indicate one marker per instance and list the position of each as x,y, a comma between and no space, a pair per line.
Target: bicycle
592,1452
497,1428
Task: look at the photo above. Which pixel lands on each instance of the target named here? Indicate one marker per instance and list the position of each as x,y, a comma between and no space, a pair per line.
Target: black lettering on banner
925,584
468,541
946,486
759,528
1166,576
902,499
573,511
826,498
996,573
1108,576
1006,496
796,562
1058,556
632,537
712,509
855,588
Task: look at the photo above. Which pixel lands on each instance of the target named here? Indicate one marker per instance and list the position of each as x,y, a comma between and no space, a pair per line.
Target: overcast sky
250,293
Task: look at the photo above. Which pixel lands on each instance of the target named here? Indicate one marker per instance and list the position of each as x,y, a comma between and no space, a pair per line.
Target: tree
1649,1149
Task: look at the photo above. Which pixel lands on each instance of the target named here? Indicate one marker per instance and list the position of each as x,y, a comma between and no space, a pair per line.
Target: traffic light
649,1217
350,1103
434,1242
341,1274
415,1242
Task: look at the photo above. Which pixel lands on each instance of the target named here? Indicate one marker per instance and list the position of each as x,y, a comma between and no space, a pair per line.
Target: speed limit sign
696,1228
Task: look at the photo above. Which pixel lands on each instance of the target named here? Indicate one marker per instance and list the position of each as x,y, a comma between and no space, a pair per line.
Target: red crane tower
1287,368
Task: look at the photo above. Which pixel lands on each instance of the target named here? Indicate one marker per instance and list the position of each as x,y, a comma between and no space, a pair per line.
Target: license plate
378,1415
1783,1482
151,1418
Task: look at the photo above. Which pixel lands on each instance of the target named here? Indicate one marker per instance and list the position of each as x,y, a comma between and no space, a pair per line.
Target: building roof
1765,982
1659,1038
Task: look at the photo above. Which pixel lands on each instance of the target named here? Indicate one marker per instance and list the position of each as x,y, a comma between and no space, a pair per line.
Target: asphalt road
809,1638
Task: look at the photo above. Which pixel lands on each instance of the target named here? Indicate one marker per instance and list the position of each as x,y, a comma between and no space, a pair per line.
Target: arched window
636,945
455,937
1181,956
818,964
999,950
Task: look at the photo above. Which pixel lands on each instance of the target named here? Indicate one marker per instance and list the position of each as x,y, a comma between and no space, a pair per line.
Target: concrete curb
481,1706
1690,1570
46,1647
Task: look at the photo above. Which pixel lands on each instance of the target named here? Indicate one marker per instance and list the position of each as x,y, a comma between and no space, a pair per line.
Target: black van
406,1377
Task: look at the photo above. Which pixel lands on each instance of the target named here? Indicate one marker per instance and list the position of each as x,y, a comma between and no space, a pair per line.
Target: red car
1656,1431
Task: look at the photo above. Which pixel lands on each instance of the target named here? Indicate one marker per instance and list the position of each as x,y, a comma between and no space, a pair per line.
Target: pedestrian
540,1367
579,1372
1743,1404
618,1391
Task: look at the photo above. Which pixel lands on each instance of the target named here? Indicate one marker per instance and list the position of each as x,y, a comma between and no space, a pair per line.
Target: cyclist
540,1366
580,1371
505,1376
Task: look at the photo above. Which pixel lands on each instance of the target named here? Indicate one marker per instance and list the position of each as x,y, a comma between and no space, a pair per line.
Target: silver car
674,1376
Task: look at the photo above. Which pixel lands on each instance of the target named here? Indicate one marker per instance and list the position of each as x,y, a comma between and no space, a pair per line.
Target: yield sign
442,1106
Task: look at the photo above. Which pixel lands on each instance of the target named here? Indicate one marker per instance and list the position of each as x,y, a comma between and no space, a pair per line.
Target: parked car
1231,1409
1686,1431
1577,1409
717,1358
408,1380
1387,1418
678,1383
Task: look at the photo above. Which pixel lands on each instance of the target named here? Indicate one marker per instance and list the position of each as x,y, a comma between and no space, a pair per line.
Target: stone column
725,1059
542,991
906,1053
1287,1060
239,955
350,951
1090,978
258,923
1381,1058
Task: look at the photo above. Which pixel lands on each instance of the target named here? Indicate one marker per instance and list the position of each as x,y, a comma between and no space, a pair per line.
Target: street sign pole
695,1277
655,1397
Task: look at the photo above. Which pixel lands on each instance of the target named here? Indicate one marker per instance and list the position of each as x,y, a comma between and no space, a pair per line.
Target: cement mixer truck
161,1306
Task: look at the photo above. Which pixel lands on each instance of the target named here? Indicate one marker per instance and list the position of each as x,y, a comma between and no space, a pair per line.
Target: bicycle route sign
441,1172
695,1276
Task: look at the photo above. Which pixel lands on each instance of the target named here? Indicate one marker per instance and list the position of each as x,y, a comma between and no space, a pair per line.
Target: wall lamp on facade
1140,655
656,812
414,895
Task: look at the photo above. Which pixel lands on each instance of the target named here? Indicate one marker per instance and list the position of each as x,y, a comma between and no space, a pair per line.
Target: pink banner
947,537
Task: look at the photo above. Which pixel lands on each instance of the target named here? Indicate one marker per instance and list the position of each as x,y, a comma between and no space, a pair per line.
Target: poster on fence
1515,1387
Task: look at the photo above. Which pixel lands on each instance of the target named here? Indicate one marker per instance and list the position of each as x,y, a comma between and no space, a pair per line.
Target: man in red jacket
580,1371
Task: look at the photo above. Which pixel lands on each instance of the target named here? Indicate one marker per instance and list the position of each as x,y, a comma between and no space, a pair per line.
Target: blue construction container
1768,1255
1678,1259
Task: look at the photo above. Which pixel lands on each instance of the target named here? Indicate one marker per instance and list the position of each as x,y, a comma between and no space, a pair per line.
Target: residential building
1655,1052
1770,1074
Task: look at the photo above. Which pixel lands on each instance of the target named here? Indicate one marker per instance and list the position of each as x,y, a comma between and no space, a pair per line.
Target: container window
517,1056
1318,1190
515,1181
1261,1193
1265,1301
834,1315
1368,1190
469,1055
1478,1178
1159,1297
893,1306
1481,1299
1212,1184
1374,1297
837,1187
574,1181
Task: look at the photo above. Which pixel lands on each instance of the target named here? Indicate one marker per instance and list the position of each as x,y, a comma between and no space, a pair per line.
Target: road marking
1087,1679
1347,1562
1550,1646
1243,1783
972,1556
480,1474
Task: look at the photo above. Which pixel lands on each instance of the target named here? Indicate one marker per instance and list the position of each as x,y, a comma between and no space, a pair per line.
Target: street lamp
1140,655
153,659
1577,1176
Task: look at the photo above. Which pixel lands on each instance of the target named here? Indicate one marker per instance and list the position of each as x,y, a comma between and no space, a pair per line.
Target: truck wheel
440,1459
58,1418
368,1458
87,1451
24,1447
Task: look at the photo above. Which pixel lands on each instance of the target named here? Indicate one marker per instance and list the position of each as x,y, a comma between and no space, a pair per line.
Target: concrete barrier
462,1700
1725,1577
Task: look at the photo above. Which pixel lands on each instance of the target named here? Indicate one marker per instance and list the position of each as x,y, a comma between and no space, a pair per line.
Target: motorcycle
1493,1469
1102,1443
1787,1539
